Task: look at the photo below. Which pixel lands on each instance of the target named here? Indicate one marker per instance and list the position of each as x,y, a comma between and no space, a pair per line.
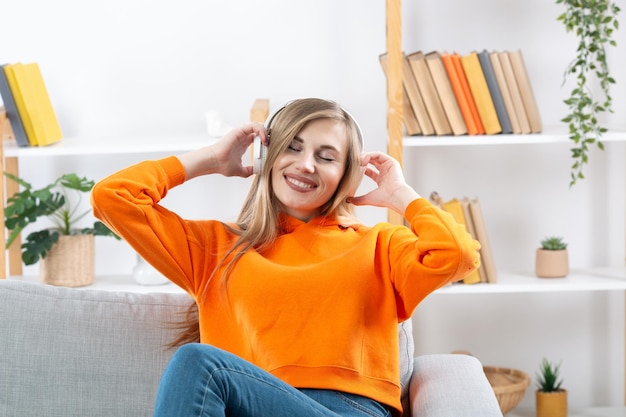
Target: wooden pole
394,88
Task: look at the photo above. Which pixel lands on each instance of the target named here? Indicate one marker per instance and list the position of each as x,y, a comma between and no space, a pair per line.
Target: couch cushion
407,353
78,352
68,352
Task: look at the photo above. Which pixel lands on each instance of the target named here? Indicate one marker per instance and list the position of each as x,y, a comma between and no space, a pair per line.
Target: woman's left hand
392,191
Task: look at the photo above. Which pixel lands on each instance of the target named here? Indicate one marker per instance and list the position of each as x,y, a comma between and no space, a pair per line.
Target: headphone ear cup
260,155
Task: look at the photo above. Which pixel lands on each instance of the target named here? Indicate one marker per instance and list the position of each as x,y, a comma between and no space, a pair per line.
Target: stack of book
27,105
468,212
478,93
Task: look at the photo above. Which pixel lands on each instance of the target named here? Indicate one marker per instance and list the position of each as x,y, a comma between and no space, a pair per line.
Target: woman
298,303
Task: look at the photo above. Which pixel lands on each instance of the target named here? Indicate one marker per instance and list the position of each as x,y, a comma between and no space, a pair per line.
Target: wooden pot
551,263
551,404
70,262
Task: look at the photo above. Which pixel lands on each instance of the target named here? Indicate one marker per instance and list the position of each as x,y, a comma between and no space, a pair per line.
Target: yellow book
480,92
10,73
33,104
455,208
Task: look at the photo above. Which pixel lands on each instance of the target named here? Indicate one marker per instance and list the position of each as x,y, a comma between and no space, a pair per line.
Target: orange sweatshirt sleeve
434,252
128,202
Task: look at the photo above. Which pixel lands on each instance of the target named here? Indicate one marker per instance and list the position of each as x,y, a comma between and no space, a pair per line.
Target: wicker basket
70,262
508,384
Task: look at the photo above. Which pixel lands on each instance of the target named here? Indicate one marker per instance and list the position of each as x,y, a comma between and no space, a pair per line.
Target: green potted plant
551,259
66,252
551,399
593,22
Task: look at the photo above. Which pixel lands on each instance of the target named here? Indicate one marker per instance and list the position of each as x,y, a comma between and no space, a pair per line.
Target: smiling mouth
299,184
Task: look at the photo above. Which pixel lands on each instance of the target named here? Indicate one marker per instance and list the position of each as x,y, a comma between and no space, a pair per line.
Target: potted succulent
552,259
551,399
66,252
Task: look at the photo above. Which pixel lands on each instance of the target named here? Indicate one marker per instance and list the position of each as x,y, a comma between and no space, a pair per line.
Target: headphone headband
260,151
270,118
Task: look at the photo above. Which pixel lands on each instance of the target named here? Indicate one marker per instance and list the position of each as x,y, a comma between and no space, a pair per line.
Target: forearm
199,162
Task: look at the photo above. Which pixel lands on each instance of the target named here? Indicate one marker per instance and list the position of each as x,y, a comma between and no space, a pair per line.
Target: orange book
462,100
456,61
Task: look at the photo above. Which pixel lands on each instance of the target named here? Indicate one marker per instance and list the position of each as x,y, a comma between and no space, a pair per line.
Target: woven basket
508,384
70,262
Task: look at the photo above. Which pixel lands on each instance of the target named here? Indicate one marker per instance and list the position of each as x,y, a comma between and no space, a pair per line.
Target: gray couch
88,353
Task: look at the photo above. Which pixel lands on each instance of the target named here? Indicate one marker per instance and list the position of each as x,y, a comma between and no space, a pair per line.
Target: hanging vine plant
593,22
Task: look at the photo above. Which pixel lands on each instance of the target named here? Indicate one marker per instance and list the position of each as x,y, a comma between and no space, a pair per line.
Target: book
526,91
465,203
455,208
12,113
9,72
516,96
456,61
409,117
411,126
446,93
494,57
494,90
486,255
480,92
428,90
33,103
459,94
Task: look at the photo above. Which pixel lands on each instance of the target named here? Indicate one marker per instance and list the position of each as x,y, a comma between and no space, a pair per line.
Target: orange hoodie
320,307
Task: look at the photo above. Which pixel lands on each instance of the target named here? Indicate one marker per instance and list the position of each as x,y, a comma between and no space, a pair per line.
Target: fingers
253,129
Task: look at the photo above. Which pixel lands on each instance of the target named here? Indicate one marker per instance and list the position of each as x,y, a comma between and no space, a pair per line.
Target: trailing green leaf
593,22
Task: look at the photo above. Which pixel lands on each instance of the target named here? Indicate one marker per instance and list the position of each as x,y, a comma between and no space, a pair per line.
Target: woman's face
306,175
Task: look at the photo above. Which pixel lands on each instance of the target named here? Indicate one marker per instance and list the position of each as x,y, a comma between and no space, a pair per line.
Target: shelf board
120,145
593,279
596,279
577,412
549,135
123,283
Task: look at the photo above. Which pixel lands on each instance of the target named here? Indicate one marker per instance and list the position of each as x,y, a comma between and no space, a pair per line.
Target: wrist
401,199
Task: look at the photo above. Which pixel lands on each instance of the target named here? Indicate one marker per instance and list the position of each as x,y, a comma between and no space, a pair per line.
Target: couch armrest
451,385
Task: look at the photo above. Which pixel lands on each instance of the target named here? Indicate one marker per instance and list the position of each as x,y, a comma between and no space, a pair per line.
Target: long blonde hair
258,223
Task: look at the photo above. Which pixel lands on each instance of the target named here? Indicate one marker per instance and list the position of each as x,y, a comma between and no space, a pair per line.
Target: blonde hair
258,223
258,219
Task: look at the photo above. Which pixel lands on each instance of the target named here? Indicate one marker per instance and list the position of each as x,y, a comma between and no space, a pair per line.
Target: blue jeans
201,380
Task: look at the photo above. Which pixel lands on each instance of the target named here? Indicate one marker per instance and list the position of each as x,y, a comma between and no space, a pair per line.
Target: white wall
152,68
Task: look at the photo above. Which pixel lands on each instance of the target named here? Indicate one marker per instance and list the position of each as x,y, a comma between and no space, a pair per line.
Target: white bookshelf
592,279
583,412
74,146
120,283
551,134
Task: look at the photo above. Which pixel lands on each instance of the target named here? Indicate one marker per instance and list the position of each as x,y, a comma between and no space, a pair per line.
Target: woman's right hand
224,156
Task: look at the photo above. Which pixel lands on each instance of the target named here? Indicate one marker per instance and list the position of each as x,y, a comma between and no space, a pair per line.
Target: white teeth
299,183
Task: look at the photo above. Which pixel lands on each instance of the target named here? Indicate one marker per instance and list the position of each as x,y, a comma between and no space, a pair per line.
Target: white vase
146,274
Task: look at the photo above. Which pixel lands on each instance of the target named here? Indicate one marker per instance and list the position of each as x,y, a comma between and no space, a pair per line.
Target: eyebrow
329,147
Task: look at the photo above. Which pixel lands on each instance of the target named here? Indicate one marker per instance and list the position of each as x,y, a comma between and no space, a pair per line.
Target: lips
299,183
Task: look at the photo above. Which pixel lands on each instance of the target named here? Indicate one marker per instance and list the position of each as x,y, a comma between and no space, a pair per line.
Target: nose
306,162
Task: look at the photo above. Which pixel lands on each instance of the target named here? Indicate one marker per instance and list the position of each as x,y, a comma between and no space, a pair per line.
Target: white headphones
260,150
